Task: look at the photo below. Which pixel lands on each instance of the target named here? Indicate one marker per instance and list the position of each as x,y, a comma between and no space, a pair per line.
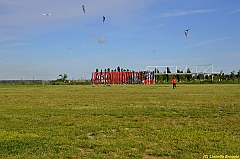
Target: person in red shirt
174,82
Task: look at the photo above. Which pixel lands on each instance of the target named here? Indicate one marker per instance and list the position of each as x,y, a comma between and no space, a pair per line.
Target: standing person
174,82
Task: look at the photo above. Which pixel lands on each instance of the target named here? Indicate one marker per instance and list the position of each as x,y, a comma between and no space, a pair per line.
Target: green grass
122,121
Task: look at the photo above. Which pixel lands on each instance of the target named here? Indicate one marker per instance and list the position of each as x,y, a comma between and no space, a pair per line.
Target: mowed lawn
122,121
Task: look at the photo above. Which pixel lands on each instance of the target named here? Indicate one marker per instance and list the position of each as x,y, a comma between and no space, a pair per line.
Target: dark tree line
219,78
181,77
118,69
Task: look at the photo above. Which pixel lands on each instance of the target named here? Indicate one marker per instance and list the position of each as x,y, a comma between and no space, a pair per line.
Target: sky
135,34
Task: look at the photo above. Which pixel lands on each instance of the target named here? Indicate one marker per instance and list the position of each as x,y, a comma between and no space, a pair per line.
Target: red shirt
174,80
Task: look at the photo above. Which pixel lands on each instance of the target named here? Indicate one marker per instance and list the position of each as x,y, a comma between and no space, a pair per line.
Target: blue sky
136,34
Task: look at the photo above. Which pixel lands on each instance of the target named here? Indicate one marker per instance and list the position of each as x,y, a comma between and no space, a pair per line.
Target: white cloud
181,13
208,42
235,11
102,40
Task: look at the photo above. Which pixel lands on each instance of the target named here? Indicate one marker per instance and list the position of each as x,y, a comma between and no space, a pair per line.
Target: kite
104,19
47,14
84,9
186,32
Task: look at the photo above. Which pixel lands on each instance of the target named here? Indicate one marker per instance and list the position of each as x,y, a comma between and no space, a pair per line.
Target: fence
125,77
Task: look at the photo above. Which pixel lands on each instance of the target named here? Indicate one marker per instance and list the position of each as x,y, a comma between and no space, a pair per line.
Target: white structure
207,69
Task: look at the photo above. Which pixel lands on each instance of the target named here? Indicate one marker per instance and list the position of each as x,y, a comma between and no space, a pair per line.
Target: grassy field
122,121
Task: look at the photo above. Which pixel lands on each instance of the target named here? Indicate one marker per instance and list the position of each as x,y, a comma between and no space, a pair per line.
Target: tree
188,75
221,75
64,77
238,74
156,70
160,78
178,78
118,69
206,77
178,71
168,70
200,76
232,75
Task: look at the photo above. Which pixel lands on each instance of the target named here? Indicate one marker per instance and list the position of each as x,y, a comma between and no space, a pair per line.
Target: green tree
207,77
200,76
63,77
232,75
238,74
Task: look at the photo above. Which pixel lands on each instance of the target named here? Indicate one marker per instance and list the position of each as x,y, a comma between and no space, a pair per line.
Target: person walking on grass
174,82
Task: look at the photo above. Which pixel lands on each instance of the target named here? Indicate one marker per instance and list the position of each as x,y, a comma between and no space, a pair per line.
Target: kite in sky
47,14
84,9
104,19
186,32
